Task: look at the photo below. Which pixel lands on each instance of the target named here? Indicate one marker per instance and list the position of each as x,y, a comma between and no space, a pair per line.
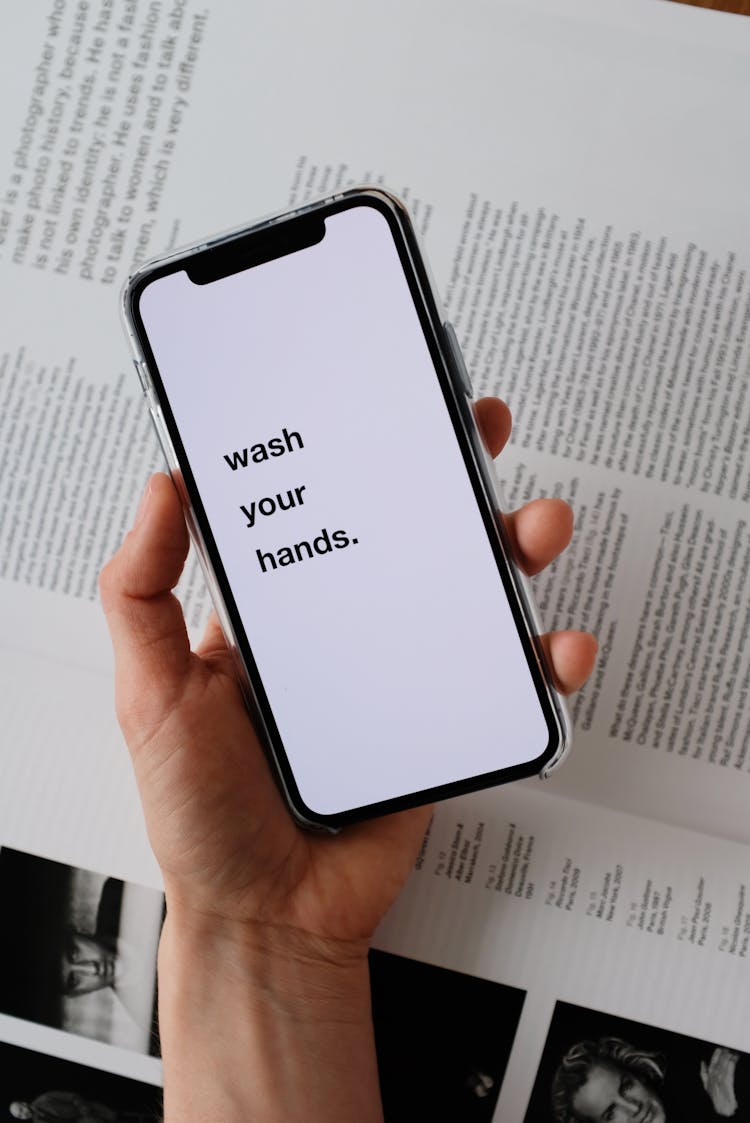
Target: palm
218,823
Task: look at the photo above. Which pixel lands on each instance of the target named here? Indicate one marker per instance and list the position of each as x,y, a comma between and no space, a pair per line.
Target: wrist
263,1021
298,971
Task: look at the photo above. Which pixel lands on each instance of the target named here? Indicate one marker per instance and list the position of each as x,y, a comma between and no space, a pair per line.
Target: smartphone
316,417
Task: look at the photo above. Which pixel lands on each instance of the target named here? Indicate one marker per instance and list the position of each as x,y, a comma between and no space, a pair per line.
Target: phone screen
328,467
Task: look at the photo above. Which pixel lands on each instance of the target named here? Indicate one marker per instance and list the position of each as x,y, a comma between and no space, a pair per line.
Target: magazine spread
578,176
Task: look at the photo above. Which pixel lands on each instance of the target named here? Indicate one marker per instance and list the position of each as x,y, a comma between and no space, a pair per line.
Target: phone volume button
458,360
140,371
161,432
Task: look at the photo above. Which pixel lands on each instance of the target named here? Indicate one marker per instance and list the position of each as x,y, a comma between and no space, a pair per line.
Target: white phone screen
325,458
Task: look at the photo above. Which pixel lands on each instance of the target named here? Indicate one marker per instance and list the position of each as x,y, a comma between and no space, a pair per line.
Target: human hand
717,1078
221,833
264,1002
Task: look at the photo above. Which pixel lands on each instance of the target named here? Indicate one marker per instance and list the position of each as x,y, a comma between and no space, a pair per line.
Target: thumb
146,624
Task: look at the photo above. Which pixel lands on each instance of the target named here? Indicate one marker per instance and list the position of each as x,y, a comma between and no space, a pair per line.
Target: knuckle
108,580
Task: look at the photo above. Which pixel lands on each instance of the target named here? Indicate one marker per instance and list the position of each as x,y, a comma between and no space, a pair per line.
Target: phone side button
161,432
458,359
139,370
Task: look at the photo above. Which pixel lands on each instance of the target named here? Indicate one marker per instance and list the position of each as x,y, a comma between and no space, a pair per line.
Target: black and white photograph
443,1040
41,1088
80,951
597,1066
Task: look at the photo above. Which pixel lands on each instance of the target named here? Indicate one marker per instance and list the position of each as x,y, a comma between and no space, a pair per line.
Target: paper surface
579,177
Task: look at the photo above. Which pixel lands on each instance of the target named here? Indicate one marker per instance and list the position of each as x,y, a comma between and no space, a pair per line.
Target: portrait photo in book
79,951
594,1063
443,1040
47,1089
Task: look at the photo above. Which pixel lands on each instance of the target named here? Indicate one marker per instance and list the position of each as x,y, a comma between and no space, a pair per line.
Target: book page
611,926
578,177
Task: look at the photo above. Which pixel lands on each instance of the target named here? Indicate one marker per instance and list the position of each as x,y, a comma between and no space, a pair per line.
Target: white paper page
80,337
467,124
579,904
530,58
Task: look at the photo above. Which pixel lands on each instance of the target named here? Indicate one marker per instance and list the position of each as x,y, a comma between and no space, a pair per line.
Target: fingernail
142,506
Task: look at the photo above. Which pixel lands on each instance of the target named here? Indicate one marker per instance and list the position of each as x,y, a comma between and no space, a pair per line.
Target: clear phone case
449,349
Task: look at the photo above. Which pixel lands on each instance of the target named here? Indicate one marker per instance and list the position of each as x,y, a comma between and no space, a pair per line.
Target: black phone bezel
236,252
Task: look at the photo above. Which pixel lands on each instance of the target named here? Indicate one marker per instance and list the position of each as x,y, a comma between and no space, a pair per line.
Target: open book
579,173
